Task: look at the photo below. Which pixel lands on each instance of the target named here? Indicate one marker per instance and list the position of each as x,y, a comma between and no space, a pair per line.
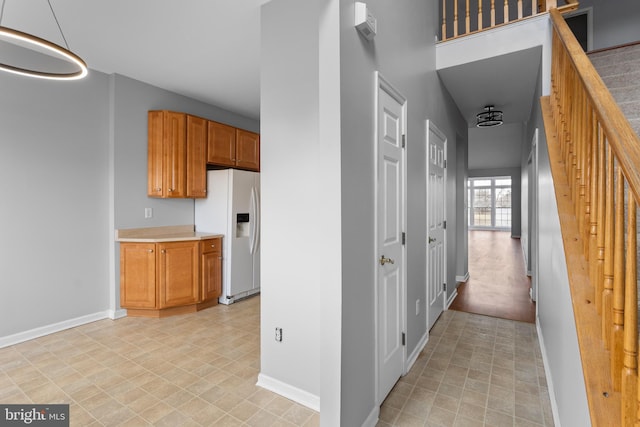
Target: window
490,203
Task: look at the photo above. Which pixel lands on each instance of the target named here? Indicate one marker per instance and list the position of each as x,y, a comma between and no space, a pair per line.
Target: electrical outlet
148,212
417,307
279,334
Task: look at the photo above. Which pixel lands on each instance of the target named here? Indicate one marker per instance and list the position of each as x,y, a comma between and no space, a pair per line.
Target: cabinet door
210,269
247,150
221,144
154,154
138,275
175,146
178,273
196,157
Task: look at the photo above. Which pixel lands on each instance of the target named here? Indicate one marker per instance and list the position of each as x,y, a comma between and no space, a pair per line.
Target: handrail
597,153
476,11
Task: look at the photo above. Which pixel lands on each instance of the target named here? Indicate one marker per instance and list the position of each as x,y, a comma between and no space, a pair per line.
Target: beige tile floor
192,370
475,371
201,369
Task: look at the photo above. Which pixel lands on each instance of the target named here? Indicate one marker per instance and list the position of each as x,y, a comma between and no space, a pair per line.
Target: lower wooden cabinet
161,279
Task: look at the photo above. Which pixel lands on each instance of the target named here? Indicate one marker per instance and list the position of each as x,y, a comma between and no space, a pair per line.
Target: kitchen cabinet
229,146
178,280
168,277
176,158
210,270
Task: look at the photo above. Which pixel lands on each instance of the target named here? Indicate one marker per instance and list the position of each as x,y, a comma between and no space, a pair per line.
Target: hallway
475,371
498,285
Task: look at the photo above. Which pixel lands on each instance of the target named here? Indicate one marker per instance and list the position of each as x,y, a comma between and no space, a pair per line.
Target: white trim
300,396
382,84
463,279
451,298
372,419
416,352
117,314
547,374
52,328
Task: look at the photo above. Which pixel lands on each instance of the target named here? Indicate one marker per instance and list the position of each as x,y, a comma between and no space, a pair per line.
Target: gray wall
614,22
404,53
54,210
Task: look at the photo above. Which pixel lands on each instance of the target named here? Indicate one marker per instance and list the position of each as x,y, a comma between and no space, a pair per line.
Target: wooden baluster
455,18
593,215
578,119
550,4
493,13
534,7
506,12
617,332
444,20
588,197
607,292
519,9
479,15
630,361
467,19
599,268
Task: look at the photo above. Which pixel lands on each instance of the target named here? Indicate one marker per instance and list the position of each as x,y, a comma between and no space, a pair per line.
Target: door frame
382,84
430,126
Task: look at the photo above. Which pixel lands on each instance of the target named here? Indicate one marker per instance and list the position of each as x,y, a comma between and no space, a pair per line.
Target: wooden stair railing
474,10
595,160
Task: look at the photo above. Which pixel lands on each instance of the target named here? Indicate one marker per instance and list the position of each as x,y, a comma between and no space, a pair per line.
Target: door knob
384,260
431,240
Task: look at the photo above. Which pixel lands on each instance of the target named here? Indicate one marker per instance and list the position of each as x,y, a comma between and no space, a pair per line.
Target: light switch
148,212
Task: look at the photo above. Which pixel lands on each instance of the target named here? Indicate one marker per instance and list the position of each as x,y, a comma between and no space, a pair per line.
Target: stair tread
618,68
615,58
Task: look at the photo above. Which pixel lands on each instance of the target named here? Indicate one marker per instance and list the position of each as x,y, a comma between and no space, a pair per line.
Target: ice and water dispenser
242,225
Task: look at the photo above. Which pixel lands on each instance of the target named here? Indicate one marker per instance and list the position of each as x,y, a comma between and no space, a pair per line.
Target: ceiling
508,82
204,49
210,50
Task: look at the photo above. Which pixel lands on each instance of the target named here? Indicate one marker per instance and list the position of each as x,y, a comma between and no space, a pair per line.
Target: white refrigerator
232,208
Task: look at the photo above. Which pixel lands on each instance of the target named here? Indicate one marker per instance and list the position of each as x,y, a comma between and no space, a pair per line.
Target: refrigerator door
256,245
240,238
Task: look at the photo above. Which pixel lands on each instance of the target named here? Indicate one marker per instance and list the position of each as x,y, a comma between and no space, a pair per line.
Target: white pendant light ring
61,52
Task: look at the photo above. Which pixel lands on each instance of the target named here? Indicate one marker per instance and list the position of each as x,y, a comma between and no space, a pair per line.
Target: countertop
172,233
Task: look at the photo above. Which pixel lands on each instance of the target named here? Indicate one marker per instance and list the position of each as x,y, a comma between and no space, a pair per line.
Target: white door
436,237
390,223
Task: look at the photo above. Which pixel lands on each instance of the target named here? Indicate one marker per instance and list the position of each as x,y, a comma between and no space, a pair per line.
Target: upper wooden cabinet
229,146
247,150
176,161
196,157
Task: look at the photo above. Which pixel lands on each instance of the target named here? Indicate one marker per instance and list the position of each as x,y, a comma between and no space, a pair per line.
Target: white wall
54,166
498,147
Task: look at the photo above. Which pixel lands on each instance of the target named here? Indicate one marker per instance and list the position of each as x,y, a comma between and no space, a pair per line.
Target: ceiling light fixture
46,47
489,117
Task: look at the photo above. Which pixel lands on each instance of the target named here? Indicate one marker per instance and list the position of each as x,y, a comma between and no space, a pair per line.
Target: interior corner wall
54,165
403,52
462,207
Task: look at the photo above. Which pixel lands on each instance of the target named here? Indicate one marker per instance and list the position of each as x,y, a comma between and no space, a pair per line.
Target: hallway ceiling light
27,55
489,117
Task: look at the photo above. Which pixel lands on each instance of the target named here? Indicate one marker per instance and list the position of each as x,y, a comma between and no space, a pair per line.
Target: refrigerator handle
256,215
252,230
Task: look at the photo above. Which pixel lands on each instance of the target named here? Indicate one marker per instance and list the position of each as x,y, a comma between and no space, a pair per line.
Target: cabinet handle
213,246
171,190
163,251
150,251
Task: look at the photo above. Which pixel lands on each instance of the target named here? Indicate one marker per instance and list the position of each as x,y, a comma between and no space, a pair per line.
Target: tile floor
201,369
475,371
192,370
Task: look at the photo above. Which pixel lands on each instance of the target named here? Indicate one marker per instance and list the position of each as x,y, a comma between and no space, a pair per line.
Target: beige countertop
172,233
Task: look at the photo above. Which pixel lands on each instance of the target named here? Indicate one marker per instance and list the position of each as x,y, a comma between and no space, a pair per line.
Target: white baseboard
411,360
117,314
302,397
52,328
372,419
547,373
462,279
451,298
